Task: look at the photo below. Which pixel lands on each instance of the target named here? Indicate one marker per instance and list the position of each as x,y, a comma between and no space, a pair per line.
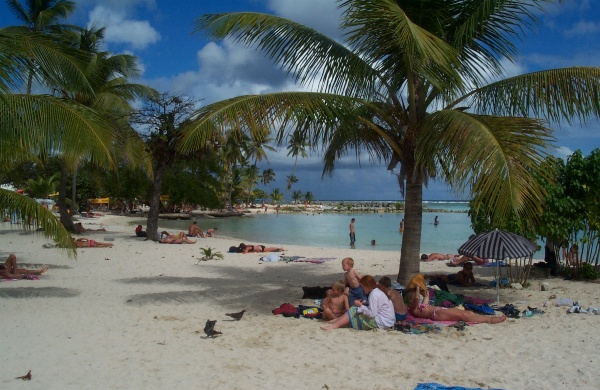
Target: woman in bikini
243,248
87,243
9,269
418,298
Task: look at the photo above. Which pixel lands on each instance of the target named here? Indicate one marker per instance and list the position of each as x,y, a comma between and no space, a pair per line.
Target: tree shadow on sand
37,292
237,289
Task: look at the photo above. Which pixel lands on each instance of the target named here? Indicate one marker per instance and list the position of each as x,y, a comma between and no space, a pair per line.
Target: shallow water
331,230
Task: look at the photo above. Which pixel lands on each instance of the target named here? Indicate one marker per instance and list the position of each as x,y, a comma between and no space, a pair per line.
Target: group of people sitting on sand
363,303
195,231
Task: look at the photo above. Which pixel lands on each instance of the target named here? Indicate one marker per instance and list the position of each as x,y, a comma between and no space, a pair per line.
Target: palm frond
314,114
43,125
59,65
297,49
35,216
557,95
499,170
403,47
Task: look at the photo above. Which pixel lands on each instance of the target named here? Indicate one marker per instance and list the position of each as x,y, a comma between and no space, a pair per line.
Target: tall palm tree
297,195
296,147
113,96
267,176
413,86
41,16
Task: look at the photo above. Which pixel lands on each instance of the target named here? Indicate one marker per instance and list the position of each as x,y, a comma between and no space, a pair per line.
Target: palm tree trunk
152,224
74,208
413,219
65,213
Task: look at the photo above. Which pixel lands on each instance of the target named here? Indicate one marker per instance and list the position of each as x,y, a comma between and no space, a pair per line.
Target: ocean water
331,230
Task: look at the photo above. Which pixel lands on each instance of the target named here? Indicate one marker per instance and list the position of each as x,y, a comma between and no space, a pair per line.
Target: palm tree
296,146
291,180
113,95
413,85
33,127
267,176
297,195
41,16
309,197
276,195
42,187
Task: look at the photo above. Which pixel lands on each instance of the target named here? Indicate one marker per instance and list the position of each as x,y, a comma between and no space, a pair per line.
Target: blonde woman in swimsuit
419,306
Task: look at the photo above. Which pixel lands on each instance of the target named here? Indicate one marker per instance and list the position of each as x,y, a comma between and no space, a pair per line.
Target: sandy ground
132,317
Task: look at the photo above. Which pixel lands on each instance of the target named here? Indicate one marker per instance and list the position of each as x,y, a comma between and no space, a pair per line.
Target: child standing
385,285
336,302
352,282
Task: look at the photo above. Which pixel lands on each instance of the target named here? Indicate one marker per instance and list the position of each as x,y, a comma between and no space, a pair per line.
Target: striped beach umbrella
498,245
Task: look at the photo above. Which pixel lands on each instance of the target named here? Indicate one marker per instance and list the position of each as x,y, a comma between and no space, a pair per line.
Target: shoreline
132,316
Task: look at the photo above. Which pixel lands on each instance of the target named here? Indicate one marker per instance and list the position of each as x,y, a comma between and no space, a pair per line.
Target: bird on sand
209,328
26,377
236,316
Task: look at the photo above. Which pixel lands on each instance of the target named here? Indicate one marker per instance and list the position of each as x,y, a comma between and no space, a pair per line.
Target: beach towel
290,258
26,277
271,257
496,264
483,308
437,386
314,260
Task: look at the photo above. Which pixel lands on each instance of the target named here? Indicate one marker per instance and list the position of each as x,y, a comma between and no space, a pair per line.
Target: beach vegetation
417,84
297,195
210,254
309,197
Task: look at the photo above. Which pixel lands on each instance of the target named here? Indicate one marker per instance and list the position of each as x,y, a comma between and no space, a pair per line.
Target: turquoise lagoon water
331,230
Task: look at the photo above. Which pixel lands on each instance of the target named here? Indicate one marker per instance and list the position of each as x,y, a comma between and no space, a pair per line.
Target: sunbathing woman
437,256
418,298
87,243
80,229
243,248
166,238
9,269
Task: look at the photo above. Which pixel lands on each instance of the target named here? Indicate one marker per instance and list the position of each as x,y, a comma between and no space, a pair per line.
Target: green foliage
399,206
209,254
587,271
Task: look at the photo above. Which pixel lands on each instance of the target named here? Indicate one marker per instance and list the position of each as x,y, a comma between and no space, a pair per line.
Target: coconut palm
33,127
417,84
297,195
113,95
297,146
267,176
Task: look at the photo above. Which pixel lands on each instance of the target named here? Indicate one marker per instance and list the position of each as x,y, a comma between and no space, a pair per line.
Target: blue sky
172,59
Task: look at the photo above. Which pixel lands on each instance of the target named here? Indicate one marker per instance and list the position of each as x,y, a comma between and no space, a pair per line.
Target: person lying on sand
243,248
438,256
88,243
10,271
80,229
418,298
166,238
463,259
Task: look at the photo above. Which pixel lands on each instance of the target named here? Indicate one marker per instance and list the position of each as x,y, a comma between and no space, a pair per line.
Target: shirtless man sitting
194,230
10,271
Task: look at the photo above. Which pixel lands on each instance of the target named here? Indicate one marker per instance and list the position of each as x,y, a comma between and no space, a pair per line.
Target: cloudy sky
174,60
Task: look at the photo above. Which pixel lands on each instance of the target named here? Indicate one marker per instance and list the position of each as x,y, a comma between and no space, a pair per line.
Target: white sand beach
132,317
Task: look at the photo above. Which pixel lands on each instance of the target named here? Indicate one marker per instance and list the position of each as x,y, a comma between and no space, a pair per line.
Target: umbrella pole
498,283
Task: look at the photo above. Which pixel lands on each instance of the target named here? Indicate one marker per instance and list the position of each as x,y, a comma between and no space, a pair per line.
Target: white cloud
322,15
563,152
136,33
583,28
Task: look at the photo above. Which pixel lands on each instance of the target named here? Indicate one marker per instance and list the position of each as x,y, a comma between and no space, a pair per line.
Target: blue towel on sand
437,386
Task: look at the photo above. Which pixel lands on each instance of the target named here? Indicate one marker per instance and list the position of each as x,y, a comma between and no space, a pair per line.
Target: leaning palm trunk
411,238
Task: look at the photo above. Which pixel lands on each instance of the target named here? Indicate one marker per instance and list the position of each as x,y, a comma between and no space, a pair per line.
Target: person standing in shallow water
352,232
402,226
436,221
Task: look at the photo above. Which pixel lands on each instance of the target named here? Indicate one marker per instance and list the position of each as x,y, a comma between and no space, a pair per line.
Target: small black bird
209,328
236,316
